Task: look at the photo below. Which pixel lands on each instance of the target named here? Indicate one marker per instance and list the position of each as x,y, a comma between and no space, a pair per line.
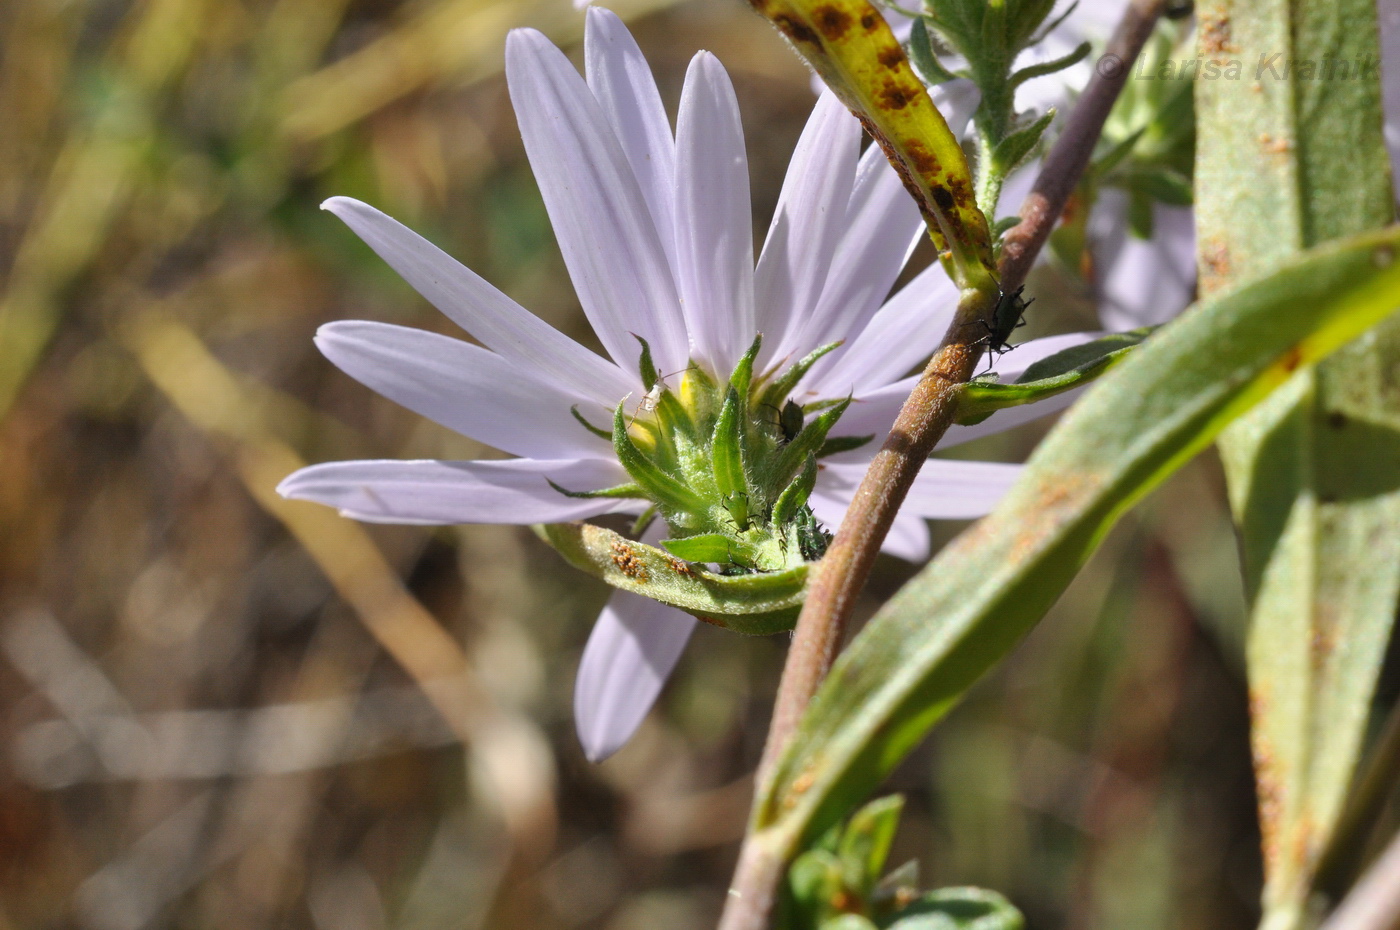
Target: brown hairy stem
921,423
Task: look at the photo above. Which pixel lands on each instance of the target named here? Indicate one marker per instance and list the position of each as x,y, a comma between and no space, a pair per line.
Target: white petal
882,228
1147,282
945,489
873,412
619,77
908,536
433,492
948,489
630,653
714,224
1003,420
601,220
1016,188
808,222
500,323
902,334
465,388
1013,363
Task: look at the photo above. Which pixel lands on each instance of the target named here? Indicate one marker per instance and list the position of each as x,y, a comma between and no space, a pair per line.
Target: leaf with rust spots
851,46
967,609
1283,165
760,603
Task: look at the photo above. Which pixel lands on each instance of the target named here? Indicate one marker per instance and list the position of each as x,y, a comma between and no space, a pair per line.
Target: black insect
790,419
1008,317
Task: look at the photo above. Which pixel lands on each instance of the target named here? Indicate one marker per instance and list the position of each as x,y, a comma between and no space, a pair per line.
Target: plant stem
925,417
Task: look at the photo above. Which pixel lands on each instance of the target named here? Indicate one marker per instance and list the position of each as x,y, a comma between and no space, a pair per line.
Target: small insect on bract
652,397
790,419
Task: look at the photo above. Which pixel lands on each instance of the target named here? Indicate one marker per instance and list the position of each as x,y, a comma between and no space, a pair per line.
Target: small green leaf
815,883
595,430
726,448
959,909
621,490
1162,184
778,391
1014,149
811,439
865,843
706,547
1050,67
849,922
795,495
1071,368
645,366
922,56
666,490
836,444
743,372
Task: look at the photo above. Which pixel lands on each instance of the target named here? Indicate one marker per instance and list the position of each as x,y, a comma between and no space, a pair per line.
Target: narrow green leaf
645,366
777,392
726,453
595,430
981,594
743,372
706,547
621,490
1050,67
1012,150
1283,163
666,490
807,442
795,494
922,56
835,444
865,843
1064,371
960,909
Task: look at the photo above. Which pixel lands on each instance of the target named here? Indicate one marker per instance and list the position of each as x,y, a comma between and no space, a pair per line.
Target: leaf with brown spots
1282,166
761,603
851,46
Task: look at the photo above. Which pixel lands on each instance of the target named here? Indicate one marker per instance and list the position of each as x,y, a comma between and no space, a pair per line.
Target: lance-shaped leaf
809,441
726,448
851,46
665,489
983,592
1064,371
774,394
758,603
795,494
1284,163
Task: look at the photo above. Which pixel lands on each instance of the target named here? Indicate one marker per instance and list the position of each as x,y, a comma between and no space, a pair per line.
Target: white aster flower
655,230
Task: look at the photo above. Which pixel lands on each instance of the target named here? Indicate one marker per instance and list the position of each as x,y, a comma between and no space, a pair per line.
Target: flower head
739,401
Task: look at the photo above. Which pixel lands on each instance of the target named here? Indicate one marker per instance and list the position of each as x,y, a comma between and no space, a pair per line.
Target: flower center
729,465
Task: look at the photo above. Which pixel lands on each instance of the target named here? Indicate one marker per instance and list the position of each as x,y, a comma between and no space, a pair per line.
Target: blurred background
222,710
